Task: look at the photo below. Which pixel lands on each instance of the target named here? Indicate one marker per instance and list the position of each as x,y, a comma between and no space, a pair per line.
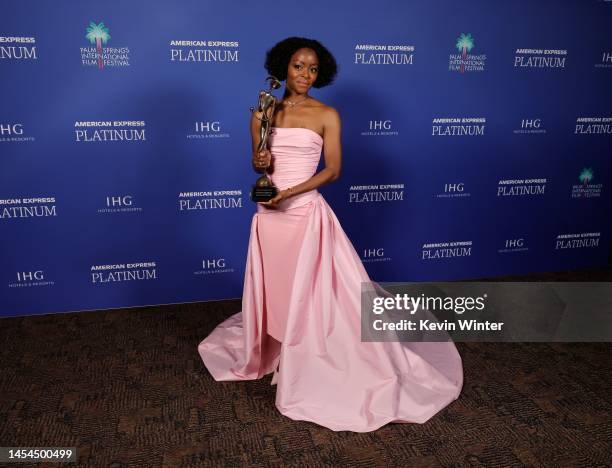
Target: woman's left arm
332,152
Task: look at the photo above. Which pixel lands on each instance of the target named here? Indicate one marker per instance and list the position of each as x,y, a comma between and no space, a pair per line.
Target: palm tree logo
465,43
586,176
98,34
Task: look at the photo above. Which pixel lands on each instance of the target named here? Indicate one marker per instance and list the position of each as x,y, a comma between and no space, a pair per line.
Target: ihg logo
125,200
208,126
380,125
211,264
531,123
11,129
452,188
514,243
30,275
373,253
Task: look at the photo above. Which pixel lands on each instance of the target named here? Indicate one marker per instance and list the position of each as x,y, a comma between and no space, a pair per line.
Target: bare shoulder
330,116
325,113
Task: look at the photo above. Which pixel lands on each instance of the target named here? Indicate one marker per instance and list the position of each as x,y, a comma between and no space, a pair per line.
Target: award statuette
264,189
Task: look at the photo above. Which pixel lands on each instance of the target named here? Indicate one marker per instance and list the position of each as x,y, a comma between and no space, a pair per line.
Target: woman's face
303,70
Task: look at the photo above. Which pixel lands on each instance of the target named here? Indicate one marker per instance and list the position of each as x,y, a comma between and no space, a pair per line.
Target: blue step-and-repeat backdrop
476,141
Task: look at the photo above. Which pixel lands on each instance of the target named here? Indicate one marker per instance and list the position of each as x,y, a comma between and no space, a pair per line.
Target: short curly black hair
277,59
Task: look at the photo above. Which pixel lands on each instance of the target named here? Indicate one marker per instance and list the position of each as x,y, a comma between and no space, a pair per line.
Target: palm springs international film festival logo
586,189
464,61
99,56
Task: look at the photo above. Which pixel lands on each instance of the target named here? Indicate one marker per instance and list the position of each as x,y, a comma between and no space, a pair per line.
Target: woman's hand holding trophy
262,160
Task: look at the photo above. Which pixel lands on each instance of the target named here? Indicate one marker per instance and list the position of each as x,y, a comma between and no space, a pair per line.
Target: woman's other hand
280,196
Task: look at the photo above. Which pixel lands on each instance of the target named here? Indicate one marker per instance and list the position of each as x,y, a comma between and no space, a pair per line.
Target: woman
301,301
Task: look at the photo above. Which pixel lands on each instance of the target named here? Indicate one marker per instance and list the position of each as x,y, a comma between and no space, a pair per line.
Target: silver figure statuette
264,189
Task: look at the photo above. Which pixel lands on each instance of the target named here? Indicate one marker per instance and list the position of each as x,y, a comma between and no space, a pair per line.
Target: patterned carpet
127,388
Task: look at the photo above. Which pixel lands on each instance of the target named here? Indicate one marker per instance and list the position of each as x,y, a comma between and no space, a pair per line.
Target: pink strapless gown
302,286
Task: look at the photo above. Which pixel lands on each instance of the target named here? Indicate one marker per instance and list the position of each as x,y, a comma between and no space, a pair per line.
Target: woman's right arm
262,160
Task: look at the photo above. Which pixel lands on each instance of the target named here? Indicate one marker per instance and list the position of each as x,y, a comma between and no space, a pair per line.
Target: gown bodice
296,153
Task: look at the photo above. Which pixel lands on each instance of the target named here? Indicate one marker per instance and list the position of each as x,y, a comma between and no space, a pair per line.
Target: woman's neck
292,96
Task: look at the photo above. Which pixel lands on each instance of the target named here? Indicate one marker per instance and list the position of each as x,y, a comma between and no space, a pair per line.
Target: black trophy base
263,194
